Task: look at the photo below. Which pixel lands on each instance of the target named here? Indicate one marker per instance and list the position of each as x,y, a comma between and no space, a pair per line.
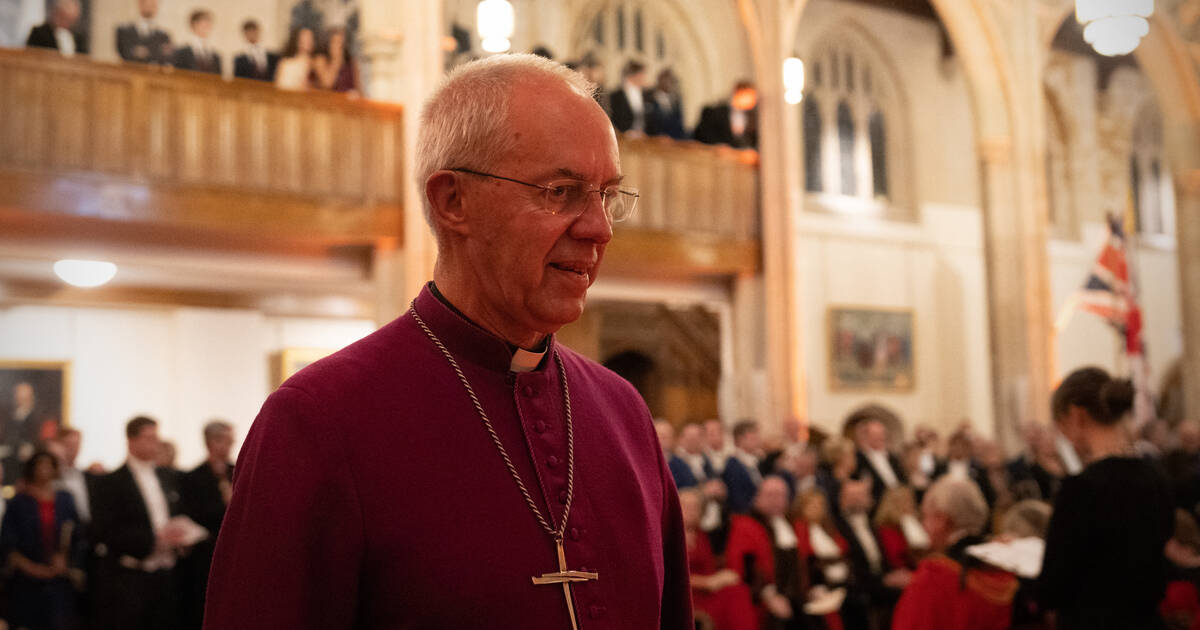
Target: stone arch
692,61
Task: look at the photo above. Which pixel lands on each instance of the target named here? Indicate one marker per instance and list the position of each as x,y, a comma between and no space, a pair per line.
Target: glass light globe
85,273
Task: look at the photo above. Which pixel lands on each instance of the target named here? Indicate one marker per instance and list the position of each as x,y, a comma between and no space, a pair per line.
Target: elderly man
59,31
949,591
459,468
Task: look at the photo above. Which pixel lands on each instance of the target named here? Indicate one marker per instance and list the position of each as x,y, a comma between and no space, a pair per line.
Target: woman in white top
295,71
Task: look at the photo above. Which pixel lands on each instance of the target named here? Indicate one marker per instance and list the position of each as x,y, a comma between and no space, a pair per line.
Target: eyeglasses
570,196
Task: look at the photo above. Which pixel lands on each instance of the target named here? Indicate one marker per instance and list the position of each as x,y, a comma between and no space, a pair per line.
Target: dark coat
186,59
866,471
42,36
245,68
740,485
684,476
714,128
621,112
153,48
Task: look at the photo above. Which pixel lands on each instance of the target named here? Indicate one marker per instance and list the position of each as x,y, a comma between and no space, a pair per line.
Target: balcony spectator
58,31
628,101
666,107
295,70
199,55
142,41
334,66
255,63
734,123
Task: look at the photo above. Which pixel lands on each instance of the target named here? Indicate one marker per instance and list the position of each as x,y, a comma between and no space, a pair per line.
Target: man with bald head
460,467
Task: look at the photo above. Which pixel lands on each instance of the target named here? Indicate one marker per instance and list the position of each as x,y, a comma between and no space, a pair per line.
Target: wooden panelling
129,133
689,188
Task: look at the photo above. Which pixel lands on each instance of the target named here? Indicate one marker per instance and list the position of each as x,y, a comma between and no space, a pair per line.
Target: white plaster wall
182,366
936,271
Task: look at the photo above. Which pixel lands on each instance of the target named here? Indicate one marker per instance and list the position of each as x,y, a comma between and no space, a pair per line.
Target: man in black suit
256,62
734,123
874,460
135,542
58,33
198,54
142,41
206,492
874,585
628,102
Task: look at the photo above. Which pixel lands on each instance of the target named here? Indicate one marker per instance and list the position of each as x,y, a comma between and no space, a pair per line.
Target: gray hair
961,501
1029,518
464,124
214,428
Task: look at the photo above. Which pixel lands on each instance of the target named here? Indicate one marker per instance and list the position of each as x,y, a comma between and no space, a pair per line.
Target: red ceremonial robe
369,495
938,599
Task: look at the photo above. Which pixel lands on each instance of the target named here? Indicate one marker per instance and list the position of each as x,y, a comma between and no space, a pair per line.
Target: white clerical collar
525,361
785,534
199,44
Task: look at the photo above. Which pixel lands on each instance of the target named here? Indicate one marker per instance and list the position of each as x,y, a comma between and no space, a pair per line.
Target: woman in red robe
822,551
900,532
719,594
949,591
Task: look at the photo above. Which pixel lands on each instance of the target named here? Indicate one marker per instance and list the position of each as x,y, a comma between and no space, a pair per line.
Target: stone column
779,185
403,59
1187,247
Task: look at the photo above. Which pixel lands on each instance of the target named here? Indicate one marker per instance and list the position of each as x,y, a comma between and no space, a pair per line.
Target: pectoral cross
565,577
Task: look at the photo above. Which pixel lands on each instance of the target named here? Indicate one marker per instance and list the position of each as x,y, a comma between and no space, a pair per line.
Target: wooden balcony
192,156
141,159
698,214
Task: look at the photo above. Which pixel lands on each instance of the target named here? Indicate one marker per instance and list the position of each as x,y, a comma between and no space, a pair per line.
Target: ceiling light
85,273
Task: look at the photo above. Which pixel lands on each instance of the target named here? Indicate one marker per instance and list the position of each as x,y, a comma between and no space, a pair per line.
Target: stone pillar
779,186
1187,247
403,58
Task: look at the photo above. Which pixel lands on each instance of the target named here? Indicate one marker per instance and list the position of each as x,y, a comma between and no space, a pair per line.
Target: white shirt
959,468
751,464
737,121
71,479
145,27
201,49
695,463
914,533
66,41
861,525
633,94
822,543
259,55
718,458
156,506
785,536
879,461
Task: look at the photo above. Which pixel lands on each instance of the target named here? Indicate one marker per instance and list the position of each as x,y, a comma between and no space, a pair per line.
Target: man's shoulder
384,355
597,374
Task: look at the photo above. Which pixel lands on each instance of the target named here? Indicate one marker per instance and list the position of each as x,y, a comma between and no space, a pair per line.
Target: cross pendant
565,577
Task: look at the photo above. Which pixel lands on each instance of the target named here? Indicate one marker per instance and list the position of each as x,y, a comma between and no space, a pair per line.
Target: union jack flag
1109,293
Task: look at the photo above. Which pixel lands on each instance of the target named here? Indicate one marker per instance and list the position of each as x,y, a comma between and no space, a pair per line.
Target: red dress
730,608
833,620
938,599
895,547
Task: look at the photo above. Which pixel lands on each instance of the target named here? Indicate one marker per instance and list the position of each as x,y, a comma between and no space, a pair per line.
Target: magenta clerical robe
369,495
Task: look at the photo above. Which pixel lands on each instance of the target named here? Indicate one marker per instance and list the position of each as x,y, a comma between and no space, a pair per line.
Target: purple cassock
368,494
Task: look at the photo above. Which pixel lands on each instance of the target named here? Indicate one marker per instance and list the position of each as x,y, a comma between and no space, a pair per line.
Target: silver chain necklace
555,533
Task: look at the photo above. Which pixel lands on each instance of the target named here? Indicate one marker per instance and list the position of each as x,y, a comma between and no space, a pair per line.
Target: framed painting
34,403
871,349
291,360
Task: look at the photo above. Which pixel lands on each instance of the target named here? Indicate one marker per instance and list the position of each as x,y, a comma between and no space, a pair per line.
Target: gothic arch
690,58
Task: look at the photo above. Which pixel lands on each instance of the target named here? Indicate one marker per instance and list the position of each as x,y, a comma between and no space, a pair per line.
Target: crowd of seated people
309,61
868,531
126,549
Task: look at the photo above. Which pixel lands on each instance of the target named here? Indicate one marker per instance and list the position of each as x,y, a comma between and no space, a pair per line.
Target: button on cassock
539,426
562,497
552,461
529,390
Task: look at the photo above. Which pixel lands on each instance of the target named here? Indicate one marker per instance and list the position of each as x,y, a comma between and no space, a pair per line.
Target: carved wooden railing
135,143
698,214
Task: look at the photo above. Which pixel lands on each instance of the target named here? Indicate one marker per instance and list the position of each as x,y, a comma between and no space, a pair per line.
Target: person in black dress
1104,565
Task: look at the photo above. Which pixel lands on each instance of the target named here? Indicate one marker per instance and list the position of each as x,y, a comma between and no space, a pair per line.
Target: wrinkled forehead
555,128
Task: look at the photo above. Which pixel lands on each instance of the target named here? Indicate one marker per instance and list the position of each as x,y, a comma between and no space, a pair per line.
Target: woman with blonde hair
899,529
823,566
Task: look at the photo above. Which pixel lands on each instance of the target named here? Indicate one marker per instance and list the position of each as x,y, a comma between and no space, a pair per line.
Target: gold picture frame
871,349
291,360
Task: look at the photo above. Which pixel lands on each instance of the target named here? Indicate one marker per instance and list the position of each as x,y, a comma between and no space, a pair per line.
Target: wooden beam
636,253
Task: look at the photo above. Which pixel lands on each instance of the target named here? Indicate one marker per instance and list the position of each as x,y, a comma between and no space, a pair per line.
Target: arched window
855,123
812,145
879,176
845,127
1150,179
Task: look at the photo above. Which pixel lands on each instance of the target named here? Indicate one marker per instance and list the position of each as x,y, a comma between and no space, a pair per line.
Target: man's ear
444,191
